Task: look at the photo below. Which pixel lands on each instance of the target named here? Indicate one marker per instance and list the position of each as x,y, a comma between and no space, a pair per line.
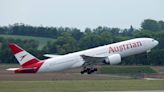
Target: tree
63,44
143,33
106,38
88,31
150,24
89,41
76,33
161,25
115,31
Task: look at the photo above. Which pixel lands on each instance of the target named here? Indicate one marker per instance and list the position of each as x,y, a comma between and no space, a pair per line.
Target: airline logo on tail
22,57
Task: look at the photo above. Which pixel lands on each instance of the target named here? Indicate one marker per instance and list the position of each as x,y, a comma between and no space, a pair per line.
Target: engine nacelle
113,59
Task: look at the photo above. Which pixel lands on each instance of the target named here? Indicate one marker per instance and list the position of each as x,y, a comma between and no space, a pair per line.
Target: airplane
87,59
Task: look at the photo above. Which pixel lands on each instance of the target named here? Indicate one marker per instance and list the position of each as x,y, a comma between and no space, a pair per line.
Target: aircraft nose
156,42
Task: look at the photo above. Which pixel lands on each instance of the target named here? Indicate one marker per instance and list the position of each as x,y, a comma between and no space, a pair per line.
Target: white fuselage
73,60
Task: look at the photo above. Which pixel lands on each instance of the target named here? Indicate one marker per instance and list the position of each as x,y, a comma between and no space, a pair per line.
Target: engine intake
113,59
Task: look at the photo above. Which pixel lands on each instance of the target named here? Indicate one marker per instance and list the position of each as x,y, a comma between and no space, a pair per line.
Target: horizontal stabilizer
12,69
51,56
23,70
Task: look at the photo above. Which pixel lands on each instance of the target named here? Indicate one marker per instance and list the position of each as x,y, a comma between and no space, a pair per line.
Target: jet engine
113,59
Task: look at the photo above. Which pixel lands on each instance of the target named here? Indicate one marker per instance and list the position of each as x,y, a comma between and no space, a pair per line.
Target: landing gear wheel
95,69
88,70
82,72
92,70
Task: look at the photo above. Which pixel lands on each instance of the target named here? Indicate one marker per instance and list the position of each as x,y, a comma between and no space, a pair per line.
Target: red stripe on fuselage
34,64
30,62
34,68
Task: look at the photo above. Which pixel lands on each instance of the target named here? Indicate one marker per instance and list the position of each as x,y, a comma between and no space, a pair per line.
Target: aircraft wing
92,60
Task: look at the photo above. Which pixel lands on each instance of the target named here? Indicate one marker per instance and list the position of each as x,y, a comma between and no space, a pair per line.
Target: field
127,70
42,41
73,81
80,85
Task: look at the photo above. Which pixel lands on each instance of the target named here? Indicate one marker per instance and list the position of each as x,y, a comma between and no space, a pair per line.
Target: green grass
80,85
42,40
127,70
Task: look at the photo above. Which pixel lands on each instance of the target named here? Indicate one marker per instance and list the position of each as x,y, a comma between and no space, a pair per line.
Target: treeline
67,40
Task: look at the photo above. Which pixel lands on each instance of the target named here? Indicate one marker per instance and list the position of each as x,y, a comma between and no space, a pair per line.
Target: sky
80,13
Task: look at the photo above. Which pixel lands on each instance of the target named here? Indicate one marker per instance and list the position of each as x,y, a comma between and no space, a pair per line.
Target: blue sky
80,13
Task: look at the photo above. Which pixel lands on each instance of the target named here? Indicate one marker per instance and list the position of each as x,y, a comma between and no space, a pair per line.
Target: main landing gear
88,70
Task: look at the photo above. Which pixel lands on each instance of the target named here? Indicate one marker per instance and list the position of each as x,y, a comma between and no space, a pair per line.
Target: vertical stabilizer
24,58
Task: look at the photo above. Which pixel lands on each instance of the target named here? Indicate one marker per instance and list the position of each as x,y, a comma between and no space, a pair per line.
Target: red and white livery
87,59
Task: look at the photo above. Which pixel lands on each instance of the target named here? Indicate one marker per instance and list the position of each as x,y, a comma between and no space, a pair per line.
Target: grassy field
42,41
127,70
80,85
73,81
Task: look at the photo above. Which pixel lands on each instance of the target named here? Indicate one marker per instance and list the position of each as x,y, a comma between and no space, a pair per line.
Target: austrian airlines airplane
87,59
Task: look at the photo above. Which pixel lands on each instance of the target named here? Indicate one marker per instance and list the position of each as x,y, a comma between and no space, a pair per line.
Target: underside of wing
92,60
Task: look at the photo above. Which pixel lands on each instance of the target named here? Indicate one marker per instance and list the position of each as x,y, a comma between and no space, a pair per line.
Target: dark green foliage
68,40
90,40
63,44
152,25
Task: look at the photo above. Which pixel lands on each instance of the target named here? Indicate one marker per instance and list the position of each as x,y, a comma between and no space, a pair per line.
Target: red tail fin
24,58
